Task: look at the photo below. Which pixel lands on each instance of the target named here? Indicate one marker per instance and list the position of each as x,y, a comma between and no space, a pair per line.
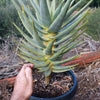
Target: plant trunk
47,79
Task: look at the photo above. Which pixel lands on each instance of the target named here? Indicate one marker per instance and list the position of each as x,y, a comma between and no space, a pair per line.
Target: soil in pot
60,84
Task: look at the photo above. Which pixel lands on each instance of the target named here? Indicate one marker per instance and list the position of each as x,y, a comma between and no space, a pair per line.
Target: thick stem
47,79
47,56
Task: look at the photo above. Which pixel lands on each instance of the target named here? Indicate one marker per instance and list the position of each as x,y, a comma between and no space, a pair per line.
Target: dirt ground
88,82
88,75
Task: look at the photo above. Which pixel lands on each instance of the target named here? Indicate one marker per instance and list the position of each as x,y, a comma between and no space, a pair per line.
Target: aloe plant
52,24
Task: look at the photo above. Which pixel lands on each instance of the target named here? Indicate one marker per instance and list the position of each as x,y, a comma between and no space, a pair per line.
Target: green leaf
30,13
48,4
77,14
70,28
74,46
39,51
57,54
28,59
72,3
32,28
16,5
64,67
55,26
27,37
37,38
29,27
29,48
70,41
40,30
63,39
41,37
64,61
26,23
35,5
47,73
53,7
72,9
42,64
64,70
43,69
44,13
48,50
30,55
71,46
58,10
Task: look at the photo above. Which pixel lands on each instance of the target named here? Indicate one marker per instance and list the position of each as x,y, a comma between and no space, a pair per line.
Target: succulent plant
52,24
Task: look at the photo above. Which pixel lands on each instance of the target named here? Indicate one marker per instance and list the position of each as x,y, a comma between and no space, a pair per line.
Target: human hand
23,87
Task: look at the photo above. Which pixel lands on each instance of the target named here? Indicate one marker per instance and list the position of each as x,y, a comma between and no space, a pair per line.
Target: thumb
28,72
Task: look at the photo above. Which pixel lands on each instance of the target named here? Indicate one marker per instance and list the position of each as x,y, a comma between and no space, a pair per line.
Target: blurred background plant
93,25
8,15
95,3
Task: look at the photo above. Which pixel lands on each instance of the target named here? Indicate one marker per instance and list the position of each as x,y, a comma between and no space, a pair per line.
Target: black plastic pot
68,96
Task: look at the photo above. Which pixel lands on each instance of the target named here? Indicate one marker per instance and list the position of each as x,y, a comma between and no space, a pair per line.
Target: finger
22,71
30,65
29,79
26,65
28,72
